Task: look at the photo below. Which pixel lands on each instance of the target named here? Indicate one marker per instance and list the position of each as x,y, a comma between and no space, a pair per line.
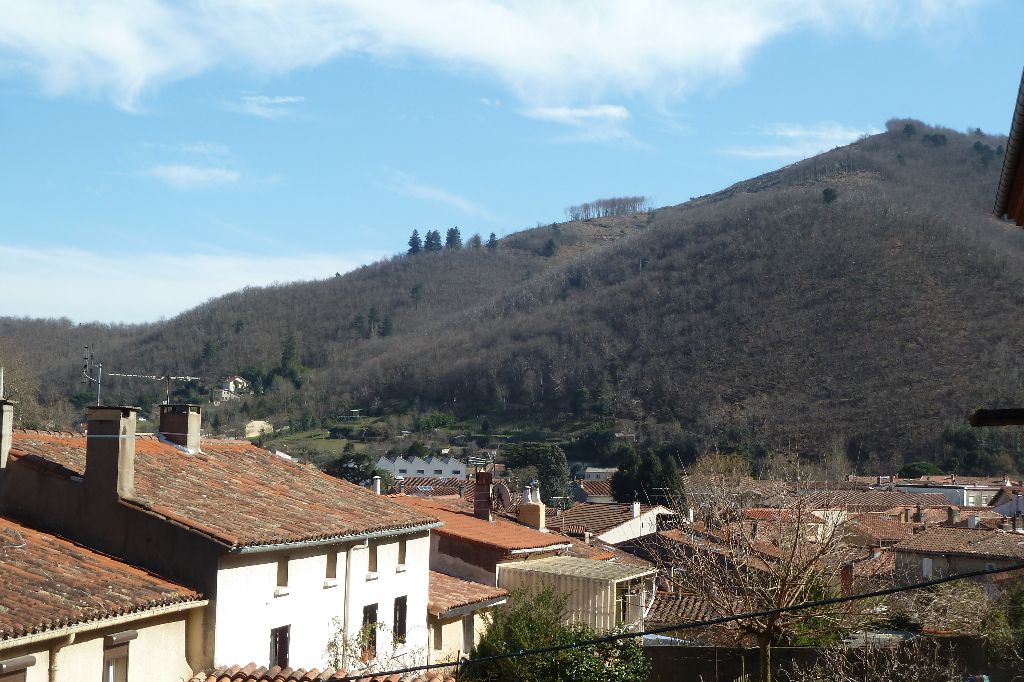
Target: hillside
762,312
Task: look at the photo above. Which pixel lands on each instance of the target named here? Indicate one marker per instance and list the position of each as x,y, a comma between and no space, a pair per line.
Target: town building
943,551
440,467
289,558
458,615
611,523
70,613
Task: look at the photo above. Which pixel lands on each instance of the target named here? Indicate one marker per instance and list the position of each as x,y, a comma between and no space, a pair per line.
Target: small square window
403,471
331,574
401,552
438,472
369,633
421,471
372,560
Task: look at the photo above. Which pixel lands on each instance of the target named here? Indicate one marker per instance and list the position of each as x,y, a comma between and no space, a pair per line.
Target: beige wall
447,642
157,655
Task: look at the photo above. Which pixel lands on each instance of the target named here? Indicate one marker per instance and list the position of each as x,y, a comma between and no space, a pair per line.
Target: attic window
331,574
401,554
371,561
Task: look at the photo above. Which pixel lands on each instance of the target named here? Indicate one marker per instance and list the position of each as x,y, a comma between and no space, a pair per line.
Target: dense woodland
861,302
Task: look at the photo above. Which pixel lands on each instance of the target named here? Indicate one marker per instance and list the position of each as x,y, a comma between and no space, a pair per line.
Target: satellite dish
504,496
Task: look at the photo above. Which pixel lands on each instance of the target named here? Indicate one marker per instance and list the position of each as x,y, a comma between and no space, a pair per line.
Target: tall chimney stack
110,452
482,496
180,424
6,430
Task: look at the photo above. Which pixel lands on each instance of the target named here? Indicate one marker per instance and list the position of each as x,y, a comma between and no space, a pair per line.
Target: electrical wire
690,625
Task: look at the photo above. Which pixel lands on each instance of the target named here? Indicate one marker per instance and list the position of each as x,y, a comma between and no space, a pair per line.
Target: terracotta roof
602,551
50,583
966,542
447,593
873,500
432,486
955,479
1011,159
670,608
254,673
881,529
596,488
233,491
594,517
500,533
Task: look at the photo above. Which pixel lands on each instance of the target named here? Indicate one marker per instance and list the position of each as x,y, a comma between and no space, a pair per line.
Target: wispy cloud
793,141
406,185
150,276
266,106
598,122
554,52
188,177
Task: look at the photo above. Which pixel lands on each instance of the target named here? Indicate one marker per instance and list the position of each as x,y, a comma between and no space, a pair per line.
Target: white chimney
376,485
689,514
527,495
636,510
972,521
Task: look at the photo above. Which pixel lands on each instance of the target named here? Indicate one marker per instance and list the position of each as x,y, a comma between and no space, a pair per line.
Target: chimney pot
636,510
110,452
953,516
6,430
180,424
527,495
376,485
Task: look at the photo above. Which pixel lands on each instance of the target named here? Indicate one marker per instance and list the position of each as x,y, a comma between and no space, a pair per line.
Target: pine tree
415,243
492,242
475,242
432,241
453,240
385,326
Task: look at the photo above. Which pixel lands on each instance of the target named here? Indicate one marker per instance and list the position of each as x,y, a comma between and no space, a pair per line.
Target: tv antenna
92,372
167,379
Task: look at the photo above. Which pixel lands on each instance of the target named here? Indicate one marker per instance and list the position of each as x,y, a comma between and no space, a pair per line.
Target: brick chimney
180,424
6,430
482,496
952,516
110,453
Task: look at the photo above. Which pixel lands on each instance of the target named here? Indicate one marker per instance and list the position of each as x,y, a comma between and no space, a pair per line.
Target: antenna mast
87,369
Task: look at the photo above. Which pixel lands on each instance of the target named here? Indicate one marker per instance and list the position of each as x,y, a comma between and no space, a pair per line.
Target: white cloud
555,52
406,185
149,277
266,106
790,141
186,176
598,122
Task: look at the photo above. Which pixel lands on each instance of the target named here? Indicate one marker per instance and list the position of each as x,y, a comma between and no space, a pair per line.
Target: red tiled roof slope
597,488
881,529
499,534
253,673
670,608
872,500
966,542
239,494
447,593
47,582
596,518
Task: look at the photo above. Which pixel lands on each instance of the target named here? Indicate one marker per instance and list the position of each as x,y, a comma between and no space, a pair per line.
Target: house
611,523
604,595
599,473
70,613
458,615
1009,501
288,557
595,492
440,467
942,551
958,490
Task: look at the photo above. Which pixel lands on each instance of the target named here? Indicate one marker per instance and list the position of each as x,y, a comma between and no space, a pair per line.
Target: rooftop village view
768,432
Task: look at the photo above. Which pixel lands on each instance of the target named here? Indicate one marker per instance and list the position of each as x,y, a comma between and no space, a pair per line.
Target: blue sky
200,147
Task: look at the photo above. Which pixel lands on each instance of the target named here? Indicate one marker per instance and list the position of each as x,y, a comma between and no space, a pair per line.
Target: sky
156,154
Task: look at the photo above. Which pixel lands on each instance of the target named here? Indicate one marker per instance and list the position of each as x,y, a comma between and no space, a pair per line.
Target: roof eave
473,607
1010,155
318,542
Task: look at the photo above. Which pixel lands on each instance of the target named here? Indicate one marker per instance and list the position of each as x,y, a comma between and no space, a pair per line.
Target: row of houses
169,557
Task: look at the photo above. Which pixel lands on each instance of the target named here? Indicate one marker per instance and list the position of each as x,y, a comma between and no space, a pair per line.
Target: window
456,473
15,669
926,567
438,472
279,639
468,633
115,656
372,560
401,607
369,633
421,471
401,552
282,577
403,471
438,636
331,574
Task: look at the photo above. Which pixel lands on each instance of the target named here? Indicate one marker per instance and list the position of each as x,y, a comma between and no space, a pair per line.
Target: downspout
348,607
54,650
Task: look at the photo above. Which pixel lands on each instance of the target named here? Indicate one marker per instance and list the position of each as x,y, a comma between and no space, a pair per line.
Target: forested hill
864,297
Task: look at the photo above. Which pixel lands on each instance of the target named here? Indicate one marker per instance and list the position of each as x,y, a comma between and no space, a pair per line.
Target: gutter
1010,154
531,550
302,544
471,608
101,624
